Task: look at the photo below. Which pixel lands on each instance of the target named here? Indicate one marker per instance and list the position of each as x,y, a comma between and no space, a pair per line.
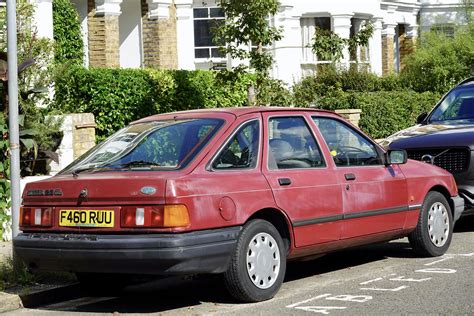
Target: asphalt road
378,279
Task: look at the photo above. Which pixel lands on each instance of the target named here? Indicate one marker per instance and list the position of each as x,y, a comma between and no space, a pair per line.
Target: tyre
258,265
433,233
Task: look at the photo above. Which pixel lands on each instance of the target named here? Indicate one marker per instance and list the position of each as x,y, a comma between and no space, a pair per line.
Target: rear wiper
76,172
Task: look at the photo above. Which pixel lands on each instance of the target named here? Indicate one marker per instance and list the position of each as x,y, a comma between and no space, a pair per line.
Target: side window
291,144
348,147
241,151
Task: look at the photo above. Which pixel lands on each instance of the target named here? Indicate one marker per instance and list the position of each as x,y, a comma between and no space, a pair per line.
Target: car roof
235,111
466,82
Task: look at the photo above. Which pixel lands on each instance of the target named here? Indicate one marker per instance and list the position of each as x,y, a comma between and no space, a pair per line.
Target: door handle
284,181
350,176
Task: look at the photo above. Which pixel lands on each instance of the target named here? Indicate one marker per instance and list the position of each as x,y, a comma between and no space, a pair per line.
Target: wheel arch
278,219
445,192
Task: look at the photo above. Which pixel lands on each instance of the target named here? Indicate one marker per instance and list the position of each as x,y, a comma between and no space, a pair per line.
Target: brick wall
407,46
387,54
104,47
159,40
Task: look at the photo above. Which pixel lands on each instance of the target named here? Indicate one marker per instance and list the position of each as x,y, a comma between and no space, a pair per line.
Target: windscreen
150,145
456,108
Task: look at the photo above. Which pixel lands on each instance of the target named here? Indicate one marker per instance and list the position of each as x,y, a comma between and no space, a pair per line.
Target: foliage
440,62
247,24
67,33
119,96
4,173
329,78
328,45
383,112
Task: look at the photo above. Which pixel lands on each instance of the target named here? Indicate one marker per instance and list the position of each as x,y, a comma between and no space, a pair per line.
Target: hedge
119,96
383,112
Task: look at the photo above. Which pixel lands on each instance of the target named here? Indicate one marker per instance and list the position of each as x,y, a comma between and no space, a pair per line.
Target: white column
288,51
342,26
108,7
375,47
43,18
185,34
159,9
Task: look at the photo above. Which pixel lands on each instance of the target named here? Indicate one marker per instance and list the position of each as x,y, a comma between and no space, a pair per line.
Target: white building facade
177,33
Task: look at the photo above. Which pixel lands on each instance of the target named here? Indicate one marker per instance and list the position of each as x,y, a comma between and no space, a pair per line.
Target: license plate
86,218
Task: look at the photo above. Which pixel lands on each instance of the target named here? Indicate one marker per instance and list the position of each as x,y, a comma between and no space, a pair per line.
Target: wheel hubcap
263,260
438,224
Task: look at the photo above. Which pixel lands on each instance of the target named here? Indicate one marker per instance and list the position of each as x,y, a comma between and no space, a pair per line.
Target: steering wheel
343,153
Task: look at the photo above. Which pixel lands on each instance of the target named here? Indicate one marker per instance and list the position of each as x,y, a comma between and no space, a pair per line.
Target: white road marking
371,281
402,278
350,298
437,270
320,309
384,290
309,300
438,261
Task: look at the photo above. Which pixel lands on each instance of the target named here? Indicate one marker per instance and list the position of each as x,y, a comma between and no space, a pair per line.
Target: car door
374,195
302,183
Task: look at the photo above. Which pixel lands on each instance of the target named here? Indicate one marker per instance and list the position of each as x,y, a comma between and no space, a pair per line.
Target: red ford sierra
234,191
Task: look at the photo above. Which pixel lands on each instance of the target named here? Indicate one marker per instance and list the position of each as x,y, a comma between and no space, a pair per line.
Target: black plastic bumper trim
206,251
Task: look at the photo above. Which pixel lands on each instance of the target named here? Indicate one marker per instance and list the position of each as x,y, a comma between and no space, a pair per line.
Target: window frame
311,132
209,48
239,127
380,152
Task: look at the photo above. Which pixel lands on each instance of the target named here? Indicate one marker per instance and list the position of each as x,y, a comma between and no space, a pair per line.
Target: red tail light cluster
36,216
155,216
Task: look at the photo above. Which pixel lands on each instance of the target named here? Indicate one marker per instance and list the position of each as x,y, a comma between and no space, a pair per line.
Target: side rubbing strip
320,220
376,212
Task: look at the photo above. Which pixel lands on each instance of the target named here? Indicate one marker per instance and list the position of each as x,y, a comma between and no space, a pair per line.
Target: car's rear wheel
258,264
433,233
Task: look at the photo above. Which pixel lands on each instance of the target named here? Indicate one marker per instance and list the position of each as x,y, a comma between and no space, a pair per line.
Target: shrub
67,33
114,96
119,96
440,62
383,112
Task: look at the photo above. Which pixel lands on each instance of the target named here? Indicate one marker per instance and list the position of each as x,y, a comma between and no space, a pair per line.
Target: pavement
8,301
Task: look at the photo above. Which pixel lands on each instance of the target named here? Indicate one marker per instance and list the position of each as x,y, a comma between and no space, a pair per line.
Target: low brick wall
353,115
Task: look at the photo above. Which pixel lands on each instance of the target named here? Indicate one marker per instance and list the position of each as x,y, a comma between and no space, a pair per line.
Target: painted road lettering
307,305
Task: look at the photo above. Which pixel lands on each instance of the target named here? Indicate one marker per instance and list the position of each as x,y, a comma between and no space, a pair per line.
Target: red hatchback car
235,191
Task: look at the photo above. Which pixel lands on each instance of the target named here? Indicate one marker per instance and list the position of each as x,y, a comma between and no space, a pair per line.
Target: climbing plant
69,47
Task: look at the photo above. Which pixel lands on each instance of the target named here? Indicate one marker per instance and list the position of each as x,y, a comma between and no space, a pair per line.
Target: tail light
155,216
36,217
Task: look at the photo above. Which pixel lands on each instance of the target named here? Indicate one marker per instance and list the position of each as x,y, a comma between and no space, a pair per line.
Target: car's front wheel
258,264
433,233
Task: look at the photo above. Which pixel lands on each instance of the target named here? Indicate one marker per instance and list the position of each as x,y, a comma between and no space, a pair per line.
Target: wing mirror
396,157
421,118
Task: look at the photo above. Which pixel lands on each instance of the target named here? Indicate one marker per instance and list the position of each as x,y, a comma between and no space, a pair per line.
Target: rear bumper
162,254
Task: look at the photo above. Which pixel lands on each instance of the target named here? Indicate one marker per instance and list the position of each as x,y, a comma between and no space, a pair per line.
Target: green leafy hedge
383,112
119,96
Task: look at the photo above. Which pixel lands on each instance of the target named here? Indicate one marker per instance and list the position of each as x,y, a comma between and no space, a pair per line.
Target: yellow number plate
86,218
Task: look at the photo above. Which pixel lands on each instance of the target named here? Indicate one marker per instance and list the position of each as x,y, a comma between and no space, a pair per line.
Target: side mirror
396,157
421,118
